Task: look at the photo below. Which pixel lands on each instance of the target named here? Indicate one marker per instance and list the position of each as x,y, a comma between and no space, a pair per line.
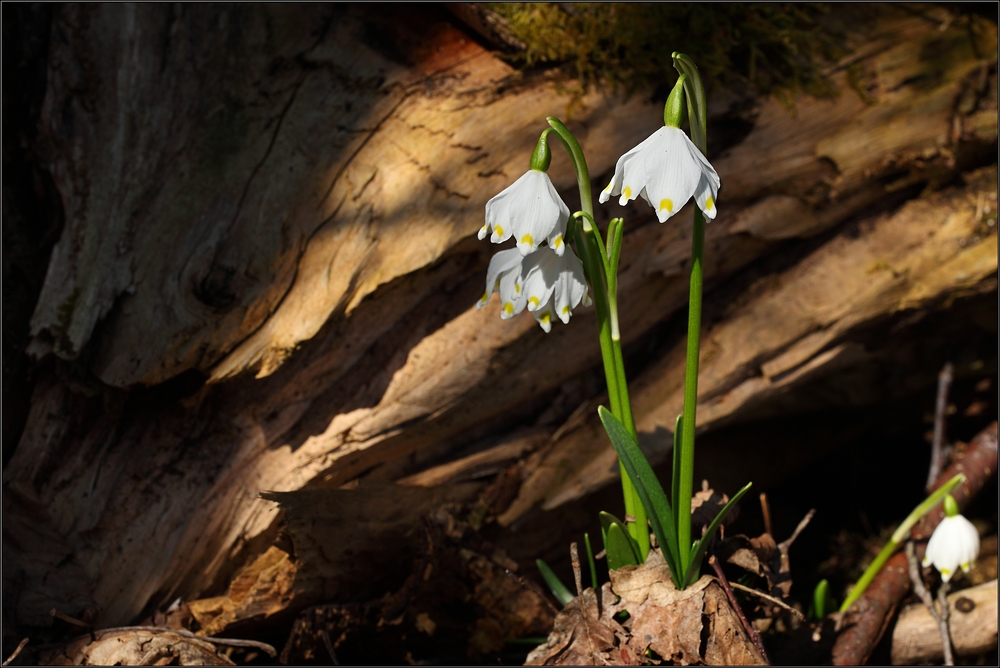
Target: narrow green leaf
822,600
646,485
590,561
558,589
699,546
619,548
675,469
606,519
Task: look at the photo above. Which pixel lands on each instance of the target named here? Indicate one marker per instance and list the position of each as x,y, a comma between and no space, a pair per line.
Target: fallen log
973,624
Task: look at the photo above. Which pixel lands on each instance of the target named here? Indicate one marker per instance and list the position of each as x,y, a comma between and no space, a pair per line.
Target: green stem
595,263
898,537
686,477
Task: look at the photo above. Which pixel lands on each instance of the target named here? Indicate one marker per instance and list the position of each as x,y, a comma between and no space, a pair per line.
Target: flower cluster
666,170
547,280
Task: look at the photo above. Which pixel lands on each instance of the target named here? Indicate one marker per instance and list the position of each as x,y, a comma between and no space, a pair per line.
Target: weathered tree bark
266,276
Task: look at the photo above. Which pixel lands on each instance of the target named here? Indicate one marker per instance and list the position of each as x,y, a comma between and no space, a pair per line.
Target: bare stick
803,523
751,631
768,597
921,591
17,651
940,408
765,510
329,647
69,620
574,557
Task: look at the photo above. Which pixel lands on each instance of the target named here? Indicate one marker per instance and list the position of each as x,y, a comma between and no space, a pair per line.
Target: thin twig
17,651
940,408
69,620
234,642
574,557
751,631
329,646
765,509
803,523
921,591
768,597
945,612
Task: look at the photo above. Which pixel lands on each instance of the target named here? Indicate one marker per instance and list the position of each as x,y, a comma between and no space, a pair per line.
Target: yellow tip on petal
485,298
527,239
608,189
533,301
668,204
499,230
565,310
557,242
517,288
546,318
709,204
945,572
508,308
627,192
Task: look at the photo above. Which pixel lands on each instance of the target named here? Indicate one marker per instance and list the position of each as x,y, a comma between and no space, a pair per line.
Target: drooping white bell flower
954,543
531,211
546,283
665,169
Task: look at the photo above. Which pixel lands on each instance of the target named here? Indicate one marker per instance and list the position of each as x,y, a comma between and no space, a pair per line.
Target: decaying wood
283,200
973,621
869,616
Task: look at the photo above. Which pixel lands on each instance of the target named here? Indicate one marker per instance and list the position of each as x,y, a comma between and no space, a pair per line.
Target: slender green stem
594,257
686,477
898,537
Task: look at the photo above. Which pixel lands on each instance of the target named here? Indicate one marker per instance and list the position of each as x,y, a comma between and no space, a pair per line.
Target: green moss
774,47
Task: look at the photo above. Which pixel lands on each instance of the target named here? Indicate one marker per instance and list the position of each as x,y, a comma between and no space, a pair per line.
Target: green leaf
619,548
590,561
558,589
646,485
699,546
675,469
607,519
823,602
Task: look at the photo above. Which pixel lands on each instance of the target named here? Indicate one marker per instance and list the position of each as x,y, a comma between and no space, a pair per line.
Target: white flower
953,545
531,211
666,169
546,283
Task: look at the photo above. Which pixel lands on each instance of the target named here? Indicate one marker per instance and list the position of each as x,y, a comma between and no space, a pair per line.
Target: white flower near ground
547,284
953,545
665,169
531,211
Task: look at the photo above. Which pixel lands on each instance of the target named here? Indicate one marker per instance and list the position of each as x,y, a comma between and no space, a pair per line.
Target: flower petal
501,264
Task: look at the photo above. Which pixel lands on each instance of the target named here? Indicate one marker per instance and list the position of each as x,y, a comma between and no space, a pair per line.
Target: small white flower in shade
665,169
531,211
504,276
953,545
547,284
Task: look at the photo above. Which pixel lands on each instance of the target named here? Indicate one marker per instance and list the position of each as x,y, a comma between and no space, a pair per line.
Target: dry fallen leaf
136,646
580,637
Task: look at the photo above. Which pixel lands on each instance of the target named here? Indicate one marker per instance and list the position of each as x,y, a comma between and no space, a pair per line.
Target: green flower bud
673,111
541,156
950,506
